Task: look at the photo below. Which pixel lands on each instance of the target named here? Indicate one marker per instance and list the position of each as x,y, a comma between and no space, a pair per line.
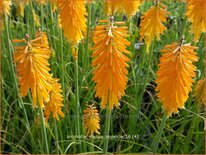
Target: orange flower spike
33,69
196,13
5,7
73,19
110,62
151,25
111,6
200,91
175,76
91,120
55,104
131,7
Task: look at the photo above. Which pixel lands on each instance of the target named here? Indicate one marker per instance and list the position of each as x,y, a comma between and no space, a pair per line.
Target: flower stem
86,58
156,140
106,130
85,52
62,65
77,105
30,21
44,134
130,26
56,136
42,16
92,146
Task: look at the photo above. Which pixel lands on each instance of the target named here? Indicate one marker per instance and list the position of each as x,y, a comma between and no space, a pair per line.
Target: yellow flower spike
175,76
33,68
196,14
91,120
129,7
54,105
5,7
110,62
200,91
151,25
111,6
73,19
20,8
36,19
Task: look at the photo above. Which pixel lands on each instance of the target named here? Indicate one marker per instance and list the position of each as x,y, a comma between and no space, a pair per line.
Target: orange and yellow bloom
151,25
33,73
5,7
175,76
73,19
91,120
196,13
33,68
110,62
129,7
54,105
